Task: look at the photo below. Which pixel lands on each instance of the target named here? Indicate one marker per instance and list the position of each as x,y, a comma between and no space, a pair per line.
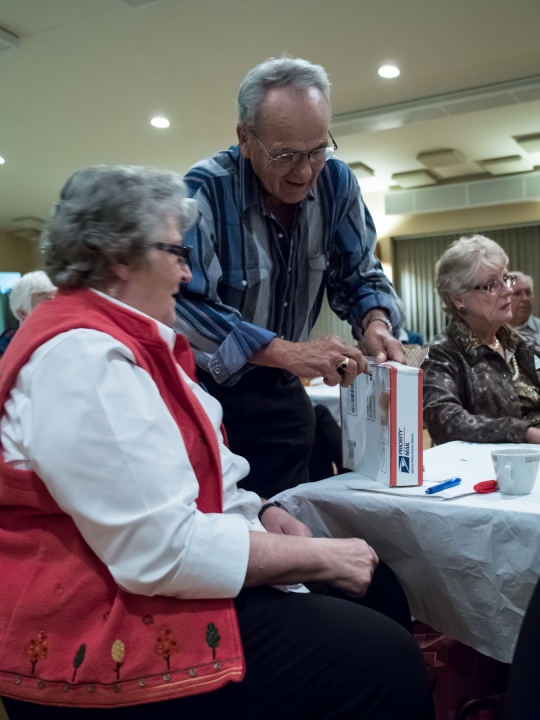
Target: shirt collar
473,346
166,333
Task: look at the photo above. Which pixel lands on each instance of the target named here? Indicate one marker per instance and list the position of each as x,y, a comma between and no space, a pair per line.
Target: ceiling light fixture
388,71
2,161
160,122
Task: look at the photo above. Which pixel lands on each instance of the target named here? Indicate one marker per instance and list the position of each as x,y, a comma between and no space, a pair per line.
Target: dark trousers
523,696
270,421
308,657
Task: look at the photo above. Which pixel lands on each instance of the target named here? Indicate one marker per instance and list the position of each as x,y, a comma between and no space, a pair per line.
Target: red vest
68,634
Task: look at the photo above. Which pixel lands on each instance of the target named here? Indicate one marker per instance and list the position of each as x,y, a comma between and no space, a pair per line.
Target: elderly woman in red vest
135,574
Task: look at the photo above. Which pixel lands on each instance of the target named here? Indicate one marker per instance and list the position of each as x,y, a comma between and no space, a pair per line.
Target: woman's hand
274,559
533,435
278,521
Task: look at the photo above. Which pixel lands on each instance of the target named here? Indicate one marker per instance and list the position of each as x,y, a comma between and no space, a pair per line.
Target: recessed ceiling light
388,71
2,161
160,122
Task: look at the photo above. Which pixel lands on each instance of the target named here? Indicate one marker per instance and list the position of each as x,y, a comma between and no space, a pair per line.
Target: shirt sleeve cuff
215,565
231,361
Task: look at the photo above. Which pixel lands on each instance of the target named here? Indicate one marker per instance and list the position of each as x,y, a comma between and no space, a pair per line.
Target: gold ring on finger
342,367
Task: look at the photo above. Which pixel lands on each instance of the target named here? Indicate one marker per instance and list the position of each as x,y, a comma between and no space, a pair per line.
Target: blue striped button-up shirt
253,280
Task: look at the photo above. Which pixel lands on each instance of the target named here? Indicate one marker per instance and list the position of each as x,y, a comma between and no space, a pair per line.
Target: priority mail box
381,424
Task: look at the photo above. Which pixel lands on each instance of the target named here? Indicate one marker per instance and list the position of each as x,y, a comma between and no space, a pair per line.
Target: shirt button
285,304
65,687
167,677
142,682
217,371
91,688
41,684
217,666
244,283
290,269
117,688
280,235
192,672
17,680
283,337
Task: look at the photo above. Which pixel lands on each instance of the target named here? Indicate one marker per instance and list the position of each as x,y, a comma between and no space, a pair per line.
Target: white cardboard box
381,424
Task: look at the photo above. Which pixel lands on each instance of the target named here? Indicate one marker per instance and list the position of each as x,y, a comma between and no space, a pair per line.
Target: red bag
458,674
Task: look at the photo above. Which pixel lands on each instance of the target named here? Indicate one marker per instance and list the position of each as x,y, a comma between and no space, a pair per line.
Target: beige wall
389,226
16,254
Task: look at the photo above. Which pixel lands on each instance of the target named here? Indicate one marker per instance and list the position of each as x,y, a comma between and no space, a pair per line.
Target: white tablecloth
324,395
468,565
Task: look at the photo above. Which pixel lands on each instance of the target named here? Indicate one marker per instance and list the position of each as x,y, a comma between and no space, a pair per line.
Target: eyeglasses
292,159
495,286
181,252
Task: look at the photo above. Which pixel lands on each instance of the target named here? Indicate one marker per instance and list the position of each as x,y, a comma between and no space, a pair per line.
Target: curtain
328,323
414,271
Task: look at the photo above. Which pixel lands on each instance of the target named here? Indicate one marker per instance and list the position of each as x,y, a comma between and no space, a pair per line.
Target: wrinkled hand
314,358
352,563
382,344
278,521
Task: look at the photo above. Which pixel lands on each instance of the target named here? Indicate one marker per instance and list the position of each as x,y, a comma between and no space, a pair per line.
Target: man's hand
379,340
278,521
315,358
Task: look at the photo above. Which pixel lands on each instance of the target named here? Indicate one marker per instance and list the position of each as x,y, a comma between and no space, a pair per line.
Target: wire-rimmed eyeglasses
495,286
292,159
181,252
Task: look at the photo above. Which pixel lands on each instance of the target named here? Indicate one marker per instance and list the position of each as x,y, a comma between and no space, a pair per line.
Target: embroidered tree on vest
117,653
79,659
212,638
166,644
37,649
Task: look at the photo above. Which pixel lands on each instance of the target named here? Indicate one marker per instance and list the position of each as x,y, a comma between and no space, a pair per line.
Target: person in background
281,221
522,304
138,580
481,378
27,293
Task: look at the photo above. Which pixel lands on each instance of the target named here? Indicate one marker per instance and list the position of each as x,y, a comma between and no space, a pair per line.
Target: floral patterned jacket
472,394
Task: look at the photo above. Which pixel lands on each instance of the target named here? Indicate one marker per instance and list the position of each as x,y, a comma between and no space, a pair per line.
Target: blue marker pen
443,486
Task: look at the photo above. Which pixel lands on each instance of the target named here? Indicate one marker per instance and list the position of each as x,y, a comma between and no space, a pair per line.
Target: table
468,565
322,394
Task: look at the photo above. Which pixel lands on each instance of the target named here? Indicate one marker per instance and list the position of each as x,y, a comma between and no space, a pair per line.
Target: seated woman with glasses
481,380
138,580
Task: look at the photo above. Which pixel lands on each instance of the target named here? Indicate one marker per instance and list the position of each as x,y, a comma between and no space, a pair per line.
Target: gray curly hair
275,73
457,270
108,215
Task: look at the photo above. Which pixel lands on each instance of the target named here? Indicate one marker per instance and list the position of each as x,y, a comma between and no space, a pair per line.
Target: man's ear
22,315
243,140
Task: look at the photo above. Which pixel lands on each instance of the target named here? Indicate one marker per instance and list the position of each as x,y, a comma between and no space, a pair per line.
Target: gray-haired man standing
281,221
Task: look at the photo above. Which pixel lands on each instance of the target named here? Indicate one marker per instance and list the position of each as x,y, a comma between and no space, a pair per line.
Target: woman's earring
462,310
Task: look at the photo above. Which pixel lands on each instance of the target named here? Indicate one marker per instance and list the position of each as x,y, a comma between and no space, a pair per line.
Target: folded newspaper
381,424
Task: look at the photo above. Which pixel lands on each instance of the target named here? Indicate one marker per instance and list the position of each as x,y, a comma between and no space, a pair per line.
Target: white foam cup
516,469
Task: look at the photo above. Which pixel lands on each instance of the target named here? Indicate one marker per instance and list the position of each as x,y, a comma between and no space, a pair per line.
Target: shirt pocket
242,278
318,262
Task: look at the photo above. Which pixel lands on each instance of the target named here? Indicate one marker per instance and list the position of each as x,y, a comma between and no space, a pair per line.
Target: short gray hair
109,215
458,267
277,73
20,297
521,276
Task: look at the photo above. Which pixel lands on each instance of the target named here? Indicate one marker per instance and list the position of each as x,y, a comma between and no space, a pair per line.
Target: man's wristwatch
386,321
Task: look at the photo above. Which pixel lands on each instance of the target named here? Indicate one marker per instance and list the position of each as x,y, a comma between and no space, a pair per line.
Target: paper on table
362,483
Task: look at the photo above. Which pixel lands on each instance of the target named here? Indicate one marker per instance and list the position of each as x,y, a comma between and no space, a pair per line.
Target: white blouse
93,426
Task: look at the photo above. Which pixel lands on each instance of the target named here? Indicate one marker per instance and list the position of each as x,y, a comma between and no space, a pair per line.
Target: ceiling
89,75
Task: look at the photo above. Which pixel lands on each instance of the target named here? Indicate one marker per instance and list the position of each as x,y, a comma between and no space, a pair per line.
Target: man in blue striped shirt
280,221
